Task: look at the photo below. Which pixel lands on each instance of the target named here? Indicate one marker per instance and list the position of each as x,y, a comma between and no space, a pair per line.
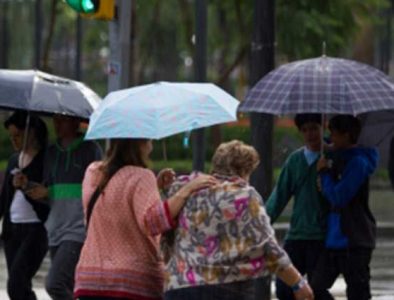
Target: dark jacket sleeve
340,193
281,194
5,189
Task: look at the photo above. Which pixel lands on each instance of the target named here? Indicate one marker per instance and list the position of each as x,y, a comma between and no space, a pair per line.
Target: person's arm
155,216
40,192
4,189
277,260
391,162
165,178
296,282
281,194
341,192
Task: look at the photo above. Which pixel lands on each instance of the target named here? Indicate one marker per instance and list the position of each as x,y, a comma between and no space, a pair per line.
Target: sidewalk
382,266
382,269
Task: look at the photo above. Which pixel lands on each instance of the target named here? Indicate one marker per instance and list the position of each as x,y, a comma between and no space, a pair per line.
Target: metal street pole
200,67
37,33
4,35
78,49
120,34
120,44
263,61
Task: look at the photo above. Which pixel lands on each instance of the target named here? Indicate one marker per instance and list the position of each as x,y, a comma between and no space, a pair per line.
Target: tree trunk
4,35
363,50
262,61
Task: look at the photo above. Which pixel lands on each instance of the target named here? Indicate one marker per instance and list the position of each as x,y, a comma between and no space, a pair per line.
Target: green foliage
302,25
179,166
285,141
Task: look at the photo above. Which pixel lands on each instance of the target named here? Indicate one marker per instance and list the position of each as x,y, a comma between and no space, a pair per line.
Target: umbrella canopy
161,109
321,85
37,91
378,130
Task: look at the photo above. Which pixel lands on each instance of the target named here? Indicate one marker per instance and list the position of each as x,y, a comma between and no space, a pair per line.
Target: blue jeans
60,279
242,290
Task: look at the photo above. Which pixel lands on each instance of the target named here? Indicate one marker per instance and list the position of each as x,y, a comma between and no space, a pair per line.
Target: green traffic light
83,6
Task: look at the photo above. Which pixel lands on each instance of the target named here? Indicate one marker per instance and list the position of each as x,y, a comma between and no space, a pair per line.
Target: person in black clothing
351,227
24,234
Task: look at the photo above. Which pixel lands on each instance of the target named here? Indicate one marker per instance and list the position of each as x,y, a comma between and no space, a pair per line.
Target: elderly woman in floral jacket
223,239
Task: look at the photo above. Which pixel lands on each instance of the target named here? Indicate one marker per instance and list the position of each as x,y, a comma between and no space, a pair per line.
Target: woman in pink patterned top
224,238
120,258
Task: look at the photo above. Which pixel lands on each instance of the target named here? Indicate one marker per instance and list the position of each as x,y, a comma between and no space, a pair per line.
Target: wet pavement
382,266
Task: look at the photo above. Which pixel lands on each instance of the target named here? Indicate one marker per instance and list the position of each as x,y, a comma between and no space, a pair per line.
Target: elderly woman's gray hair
235,158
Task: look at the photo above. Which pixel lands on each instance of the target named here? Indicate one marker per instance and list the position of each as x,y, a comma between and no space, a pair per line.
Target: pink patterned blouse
223,235
120,257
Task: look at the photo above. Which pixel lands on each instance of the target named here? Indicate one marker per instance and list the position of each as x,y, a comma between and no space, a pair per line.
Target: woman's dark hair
301,119
122,152
346,124
19,120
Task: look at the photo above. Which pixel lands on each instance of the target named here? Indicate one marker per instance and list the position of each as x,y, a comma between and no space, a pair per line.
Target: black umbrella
41,92
378,130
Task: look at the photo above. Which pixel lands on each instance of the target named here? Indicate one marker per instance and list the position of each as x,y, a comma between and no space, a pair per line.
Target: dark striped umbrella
321,85
45,93
378,131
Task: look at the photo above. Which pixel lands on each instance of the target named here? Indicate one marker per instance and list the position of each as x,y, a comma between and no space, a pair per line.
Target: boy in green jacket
305,239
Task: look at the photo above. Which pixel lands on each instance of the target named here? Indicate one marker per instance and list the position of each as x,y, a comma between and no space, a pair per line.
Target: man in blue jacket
351,227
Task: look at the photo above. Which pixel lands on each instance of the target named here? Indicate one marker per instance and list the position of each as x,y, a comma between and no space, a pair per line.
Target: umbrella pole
163,142
323,127
25,136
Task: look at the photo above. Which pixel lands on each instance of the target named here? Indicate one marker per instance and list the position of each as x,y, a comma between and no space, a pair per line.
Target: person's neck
31,151
346,147
26,156
67,140
313,148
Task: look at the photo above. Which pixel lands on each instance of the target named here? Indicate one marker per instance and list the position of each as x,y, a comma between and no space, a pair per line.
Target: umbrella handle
25,136
323,126
186,139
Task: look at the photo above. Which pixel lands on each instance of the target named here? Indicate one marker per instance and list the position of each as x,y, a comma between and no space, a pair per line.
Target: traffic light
95,9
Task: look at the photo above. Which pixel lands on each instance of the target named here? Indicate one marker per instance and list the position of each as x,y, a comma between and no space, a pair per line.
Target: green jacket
298,180
64,169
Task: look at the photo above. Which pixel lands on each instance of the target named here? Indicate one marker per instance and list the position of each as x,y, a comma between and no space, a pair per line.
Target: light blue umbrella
161,109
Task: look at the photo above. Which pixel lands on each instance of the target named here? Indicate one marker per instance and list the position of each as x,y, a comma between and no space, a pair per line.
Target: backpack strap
91,205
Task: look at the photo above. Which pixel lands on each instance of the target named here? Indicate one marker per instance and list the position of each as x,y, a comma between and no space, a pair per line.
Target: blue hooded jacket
344,191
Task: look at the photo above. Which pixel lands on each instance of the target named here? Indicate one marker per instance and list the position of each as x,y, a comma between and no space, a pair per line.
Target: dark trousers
60,279
25,249
242,290
99,298
304,255
353,264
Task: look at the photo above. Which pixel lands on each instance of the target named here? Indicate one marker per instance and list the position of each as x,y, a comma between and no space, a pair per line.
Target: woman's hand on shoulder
200,182
165,178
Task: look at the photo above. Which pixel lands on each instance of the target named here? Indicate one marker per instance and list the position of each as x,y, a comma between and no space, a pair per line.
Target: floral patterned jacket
223,235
